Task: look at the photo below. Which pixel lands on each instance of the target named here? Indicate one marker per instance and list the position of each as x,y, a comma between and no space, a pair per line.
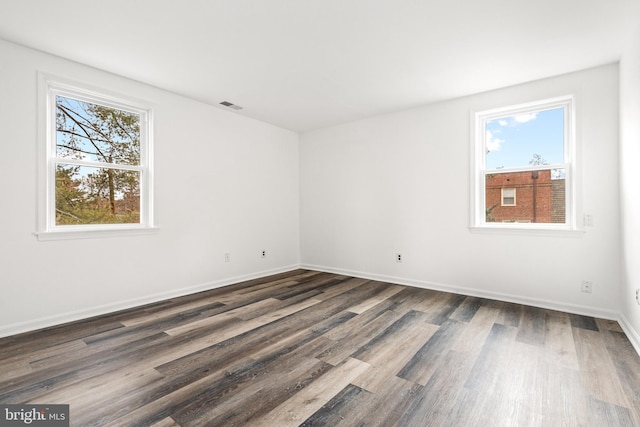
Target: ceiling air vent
230,105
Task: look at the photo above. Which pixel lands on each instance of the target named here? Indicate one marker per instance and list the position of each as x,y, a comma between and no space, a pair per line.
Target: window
525,150
508,197
97,176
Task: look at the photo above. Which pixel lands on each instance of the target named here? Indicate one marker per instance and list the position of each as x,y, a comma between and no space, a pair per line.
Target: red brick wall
546,203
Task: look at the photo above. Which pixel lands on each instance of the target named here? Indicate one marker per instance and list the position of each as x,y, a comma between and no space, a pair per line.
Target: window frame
479,171
49,88
502,196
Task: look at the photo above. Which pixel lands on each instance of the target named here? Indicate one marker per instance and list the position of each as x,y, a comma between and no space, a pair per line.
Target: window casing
95,163
534,158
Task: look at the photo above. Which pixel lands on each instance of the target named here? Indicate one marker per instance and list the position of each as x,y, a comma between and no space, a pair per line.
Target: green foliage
488,216
75,205
537,159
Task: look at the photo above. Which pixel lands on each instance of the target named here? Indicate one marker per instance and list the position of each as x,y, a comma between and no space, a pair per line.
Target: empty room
320,213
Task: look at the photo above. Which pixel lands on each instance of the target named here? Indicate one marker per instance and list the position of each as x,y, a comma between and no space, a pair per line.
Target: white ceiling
306,64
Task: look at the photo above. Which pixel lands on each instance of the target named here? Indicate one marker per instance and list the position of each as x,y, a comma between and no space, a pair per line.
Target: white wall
630,186
224,183
399,183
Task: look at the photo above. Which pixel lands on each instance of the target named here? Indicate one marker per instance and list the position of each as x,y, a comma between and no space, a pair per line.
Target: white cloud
492,143
503,122
524,118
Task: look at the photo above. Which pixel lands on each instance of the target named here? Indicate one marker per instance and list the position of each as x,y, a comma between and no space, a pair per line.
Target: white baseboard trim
49,321
630,332
59,319
534,302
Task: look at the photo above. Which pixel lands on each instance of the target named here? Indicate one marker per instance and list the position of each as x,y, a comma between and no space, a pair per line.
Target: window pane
93,132
508,196
541,196
86,195
535,138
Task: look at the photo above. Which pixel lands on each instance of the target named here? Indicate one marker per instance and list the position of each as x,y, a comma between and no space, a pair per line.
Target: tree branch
70,132
75,149
61,212
67,112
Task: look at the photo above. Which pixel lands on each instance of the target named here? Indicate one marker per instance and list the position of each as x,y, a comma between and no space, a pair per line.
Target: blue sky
89,151
513,140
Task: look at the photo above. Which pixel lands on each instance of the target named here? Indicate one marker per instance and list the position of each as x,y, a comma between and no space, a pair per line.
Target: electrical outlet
264,254
588,220
227,257
398,257
587,287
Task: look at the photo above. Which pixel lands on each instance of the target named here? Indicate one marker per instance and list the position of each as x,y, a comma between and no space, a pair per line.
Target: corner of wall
629,195
630,332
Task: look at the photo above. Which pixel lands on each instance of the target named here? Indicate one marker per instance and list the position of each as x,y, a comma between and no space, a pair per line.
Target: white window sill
513,229
94,233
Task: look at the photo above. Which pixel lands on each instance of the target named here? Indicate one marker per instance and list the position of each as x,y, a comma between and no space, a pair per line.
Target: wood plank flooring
306,348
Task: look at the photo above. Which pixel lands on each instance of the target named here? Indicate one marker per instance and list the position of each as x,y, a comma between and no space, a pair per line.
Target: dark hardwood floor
318,349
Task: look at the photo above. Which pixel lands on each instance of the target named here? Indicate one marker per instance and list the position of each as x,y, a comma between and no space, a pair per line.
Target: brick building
531,196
